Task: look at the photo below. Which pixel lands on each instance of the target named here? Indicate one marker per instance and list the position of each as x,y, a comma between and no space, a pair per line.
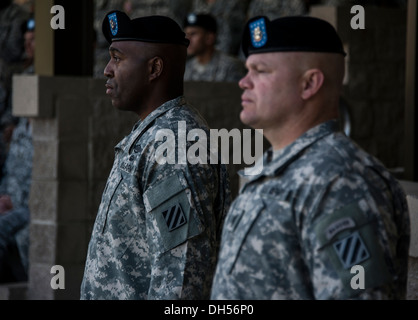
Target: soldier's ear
210,38
156,66
312,81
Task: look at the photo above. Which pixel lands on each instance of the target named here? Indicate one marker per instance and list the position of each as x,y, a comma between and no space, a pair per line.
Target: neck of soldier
206,56
158,96
281,136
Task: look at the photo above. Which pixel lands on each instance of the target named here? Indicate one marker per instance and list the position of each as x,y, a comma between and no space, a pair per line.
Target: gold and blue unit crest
258,33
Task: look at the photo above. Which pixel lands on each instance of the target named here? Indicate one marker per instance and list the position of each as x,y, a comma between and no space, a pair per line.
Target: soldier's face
200,40
271,90
127,75
29,43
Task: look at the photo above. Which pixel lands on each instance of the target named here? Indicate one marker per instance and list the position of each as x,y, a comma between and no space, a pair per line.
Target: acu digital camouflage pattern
14,225
222,67
157,231
18,167
11,49
320,206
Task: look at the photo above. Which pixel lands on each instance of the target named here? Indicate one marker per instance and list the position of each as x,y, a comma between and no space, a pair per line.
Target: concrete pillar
58,201
411,115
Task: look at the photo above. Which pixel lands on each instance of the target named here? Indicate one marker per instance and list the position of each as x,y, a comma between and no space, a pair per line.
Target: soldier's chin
246,119
116,104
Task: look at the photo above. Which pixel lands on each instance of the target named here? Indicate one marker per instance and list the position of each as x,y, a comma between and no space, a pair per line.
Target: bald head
331,65
166,64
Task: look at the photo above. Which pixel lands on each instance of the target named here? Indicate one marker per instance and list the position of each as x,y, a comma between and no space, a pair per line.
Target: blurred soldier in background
12,17
205,62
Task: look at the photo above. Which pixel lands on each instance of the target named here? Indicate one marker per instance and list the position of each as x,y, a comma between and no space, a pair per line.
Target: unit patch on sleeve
174,217
351,250
347,238
168,204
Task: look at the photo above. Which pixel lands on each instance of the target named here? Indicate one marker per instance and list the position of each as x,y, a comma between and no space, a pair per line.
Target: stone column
59,191
411,105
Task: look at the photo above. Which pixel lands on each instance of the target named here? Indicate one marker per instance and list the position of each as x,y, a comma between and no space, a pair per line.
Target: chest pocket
107,198
239,222
173,214
120,223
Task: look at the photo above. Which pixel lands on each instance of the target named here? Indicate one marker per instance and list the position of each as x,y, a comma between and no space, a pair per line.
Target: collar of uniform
143,124
271,165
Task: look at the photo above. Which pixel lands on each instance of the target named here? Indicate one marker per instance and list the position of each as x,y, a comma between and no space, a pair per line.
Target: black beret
117,26
28,25
206,21
295,33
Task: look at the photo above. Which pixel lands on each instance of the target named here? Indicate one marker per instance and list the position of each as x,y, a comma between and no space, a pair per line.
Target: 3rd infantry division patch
174,217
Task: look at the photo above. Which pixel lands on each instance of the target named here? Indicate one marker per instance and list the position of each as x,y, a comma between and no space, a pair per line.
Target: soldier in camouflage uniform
323,219
230,16
12,16
157,231
14,209
205,62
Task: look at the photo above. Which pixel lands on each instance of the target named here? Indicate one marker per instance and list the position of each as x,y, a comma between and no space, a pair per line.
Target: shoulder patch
351,250
171,207
347,238
338,226
174,217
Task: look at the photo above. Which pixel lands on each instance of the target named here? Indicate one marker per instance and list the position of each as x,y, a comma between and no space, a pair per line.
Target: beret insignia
113,22
258,33
191,18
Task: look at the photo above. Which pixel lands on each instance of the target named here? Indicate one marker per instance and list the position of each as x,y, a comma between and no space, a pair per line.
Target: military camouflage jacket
157,231
222,67
323,220
18,166
11,49
16,182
